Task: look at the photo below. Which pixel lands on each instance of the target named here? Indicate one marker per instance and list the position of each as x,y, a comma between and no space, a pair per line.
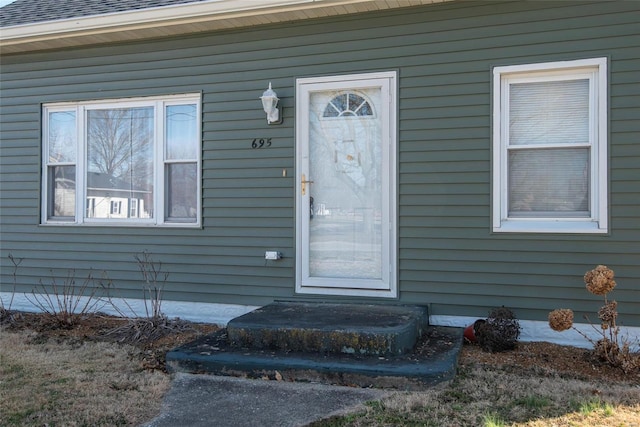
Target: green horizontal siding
447,255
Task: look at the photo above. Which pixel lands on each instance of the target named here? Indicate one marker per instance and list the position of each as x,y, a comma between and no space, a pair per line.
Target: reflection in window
181,129
120,158
181,171
182,192
128,172
348,104
133,208
116,207
63,199
61,161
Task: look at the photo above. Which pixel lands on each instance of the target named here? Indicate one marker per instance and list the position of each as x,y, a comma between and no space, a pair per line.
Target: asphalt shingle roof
32,11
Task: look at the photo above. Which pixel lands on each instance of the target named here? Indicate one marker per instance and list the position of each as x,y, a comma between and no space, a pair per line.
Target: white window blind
549,112
550,147
545,178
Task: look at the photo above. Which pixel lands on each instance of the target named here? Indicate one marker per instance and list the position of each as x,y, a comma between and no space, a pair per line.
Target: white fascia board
165,21
210,10
146,17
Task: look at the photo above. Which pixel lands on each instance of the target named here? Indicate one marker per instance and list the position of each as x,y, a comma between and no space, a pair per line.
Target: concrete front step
330,328
346,344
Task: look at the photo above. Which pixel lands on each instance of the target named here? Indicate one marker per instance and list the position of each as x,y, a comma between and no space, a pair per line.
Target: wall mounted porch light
269,102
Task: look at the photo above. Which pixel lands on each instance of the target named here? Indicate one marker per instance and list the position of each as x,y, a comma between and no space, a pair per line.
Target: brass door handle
303,184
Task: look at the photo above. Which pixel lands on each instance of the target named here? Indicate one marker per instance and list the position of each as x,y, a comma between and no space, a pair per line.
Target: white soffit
179,19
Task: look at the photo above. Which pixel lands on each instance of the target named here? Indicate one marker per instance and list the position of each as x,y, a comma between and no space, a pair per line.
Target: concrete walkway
207,400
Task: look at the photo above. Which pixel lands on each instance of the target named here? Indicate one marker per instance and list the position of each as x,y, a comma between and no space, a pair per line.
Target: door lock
303,184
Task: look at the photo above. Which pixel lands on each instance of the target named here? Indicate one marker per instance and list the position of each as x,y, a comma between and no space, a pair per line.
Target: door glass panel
345,165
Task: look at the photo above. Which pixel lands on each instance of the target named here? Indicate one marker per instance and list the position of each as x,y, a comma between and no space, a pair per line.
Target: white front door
346,185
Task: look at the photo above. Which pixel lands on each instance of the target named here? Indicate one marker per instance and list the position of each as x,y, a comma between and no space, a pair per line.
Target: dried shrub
148,330
600,281
65,304
155,280
608,313
499,332
610,348
605,349
7,316
154,324
561,319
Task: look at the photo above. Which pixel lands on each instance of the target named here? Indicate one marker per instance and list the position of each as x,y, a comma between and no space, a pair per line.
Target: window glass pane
336,106
119,161
549,183
182,138
62,137
62,201
182,191
554,112
133,208
348,104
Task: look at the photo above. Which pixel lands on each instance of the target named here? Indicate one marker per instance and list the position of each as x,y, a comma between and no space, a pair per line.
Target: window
123,162
348,104
550,147
133,203
116,207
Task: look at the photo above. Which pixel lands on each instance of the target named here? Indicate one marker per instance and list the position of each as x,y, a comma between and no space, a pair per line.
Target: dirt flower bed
106,328
542,358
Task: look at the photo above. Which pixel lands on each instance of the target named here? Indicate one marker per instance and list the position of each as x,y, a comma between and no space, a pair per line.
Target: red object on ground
470,334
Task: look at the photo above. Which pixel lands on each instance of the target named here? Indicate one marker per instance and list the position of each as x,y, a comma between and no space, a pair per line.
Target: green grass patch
533,402
492,420
596,405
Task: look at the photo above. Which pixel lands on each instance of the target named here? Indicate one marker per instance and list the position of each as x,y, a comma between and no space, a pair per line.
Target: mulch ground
541,358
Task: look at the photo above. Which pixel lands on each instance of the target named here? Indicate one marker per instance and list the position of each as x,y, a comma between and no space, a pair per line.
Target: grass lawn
80,377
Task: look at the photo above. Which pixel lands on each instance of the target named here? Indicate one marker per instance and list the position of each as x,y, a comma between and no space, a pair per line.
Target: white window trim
80,108
598,222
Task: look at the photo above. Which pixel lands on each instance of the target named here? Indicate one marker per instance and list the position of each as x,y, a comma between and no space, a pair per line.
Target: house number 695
261,143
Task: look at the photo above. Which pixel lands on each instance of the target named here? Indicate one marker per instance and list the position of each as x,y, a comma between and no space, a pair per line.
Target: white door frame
387,287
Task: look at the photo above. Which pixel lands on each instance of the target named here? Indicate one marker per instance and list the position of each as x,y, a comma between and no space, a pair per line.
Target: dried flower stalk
610,348
608,313
561,319
600,281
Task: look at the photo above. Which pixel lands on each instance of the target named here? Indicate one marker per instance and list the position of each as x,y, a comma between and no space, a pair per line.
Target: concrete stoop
350,344
330,328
